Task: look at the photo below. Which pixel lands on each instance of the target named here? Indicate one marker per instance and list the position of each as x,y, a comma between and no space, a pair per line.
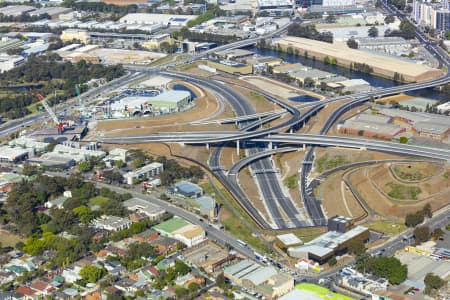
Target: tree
373,32
433,282
427,210
387,267
389,19
119,164
332,261
84,213
403,140
352,43
414,219
92,273
29,170
356,247
181,268
422,234
181,292
437,233
193,288
84,166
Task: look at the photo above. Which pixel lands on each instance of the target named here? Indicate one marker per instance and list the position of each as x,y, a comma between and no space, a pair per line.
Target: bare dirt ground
316,123
204,106
395,98
382,177
259,102
337,198
351,155
229,157
248,184
369,180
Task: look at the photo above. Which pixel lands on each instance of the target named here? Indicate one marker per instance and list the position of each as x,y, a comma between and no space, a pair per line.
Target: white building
14,154
117,154
112,223
148,171
153,212
164,19
78,154
8,62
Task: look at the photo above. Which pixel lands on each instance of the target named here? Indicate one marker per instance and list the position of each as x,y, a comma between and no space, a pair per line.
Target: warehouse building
187,189
146,171
181,230
53,161
266,281
330,244
351,58
424,124
81,35
152,211
370,126
164,19
52,11
8,62
166,102
13,154
231,67
284,241
16,10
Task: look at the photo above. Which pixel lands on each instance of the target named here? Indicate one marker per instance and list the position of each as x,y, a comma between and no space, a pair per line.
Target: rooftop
187,187
289,239
344,54
172,225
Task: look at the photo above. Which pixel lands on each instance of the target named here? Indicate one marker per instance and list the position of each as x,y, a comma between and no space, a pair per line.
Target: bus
243,244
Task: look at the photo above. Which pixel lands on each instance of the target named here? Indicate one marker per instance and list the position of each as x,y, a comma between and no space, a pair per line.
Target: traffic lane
211,231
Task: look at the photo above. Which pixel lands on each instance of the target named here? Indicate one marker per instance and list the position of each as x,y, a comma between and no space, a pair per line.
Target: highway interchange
254,140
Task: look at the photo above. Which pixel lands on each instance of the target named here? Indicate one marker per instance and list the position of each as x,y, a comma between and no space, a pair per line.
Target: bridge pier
291,130
237,147
207,146
270,146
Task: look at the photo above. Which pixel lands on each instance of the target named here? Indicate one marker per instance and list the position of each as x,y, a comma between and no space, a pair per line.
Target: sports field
321,292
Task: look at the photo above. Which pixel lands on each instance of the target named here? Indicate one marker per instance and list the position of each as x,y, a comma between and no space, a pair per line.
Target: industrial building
187,189
424,124
284,241
111,223
265,280
370,126
81,35
181,230
300,72
147,171
164,19
166,102
14,154
351,58
231,67
29,143
8,62
206,206
53,161
152,211
392,45
334,242
77,153
52,11
16,10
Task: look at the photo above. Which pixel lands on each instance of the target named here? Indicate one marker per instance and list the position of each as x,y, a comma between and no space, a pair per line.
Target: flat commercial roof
172,225
345,55
289,239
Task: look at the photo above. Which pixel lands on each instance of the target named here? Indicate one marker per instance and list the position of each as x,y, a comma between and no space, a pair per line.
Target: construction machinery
62,125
